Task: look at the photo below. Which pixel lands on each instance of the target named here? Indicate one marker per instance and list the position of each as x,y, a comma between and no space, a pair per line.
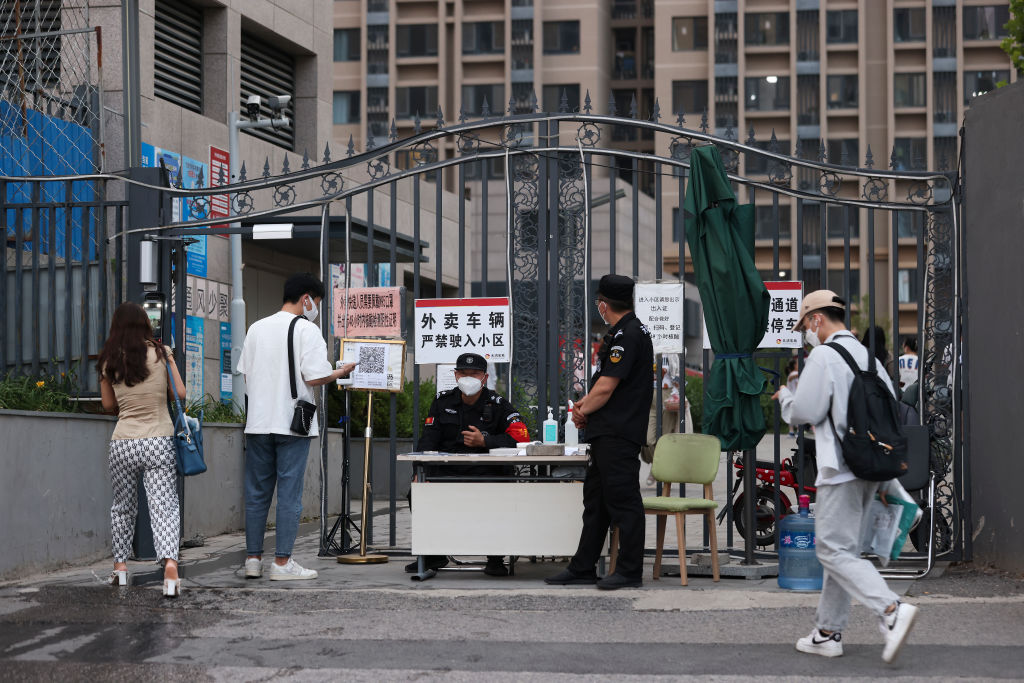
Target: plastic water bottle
799,568
572,435
550,428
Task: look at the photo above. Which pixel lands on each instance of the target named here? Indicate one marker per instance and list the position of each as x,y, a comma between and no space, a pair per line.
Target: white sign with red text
783,312
447,328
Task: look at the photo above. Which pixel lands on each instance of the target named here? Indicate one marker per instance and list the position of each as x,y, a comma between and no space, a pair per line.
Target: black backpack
874,445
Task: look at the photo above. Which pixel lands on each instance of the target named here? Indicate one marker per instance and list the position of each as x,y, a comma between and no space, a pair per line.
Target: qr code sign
371,359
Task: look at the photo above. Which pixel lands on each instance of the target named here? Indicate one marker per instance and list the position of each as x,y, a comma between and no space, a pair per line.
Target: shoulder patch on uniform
446,392
615,354
451,411
496,397
618,334
644,328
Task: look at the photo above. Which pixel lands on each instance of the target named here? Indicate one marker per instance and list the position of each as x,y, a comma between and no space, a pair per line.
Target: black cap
471,361
617,289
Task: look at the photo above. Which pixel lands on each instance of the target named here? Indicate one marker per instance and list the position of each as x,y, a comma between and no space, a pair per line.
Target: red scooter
765,514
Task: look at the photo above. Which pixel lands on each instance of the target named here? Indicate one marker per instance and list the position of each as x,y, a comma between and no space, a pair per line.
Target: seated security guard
470,419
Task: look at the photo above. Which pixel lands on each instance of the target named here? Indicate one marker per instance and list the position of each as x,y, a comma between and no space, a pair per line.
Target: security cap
616,289
471,361
816,300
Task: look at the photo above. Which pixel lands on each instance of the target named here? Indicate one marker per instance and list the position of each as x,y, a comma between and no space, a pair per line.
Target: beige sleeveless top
142,409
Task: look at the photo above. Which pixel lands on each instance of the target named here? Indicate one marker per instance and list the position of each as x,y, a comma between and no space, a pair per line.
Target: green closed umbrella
721,238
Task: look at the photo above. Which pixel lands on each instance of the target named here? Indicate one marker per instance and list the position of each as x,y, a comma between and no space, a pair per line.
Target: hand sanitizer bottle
572,435
550,429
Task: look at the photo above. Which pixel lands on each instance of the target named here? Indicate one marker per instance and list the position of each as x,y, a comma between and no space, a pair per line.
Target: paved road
373,624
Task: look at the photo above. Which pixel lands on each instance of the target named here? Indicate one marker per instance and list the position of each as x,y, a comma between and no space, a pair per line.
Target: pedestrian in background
275,456
842,499
614,415
134,381
908,362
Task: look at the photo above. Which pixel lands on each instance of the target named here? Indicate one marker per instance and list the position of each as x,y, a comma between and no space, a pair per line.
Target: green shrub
381,409
52,392
214,410
695,395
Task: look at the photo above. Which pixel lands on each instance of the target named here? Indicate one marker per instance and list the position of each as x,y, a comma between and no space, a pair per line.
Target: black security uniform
616,432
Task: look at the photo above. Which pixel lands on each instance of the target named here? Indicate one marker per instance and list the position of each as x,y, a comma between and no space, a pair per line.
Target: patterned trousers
155,459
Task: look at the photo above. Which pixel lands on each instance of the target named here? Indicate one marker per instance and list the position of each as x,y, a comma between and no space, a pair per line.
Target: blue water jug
799,569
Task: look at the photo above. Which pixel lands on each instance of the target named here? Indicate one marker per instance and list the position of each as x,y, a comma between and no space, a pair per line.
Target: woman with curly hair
134,382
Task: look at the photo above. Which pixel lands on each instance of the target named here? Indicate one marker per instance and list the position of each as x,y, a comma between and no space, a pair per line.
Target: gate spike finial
611,105
220,176
681,118
180,182
285,169
440,118
587,105
485,109
750,137
822,154
563,103
266,168
241,173
327,152
943,162
394,130
656,112
892,159
462,113
704,121
534,104
773,143
370,144
633,111
869,158
417,125
351,151
511,105
305,159
201,180
729,132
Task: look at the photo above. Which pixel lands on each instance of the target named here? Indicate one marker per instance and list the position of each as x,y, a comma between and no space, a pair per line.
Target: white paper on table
883,525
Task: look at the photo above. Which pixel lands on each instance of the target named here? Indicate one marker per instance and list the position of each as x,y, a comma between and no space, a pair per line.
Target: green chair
683,459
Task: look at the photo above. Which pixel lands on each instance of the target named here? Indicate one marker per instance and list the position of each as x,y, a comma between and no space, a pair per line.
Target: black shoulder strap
845,356
291,358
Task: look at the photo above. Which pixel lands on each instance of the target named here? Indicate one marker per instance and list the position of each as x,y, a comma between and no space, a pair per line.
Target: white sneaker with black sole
897,627
817,643
253,567
291,571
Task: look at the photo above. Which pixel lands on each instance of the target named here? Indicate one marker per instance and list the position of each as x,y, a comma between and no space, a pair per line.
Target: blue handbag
188,437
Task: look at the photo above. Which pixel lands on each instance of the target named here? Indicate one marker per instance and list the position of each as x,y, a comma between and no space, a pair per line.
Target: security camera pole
235,123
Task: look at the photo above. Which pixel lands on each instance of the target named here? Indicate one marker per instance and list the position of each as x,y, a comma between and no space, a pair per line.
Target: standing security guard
470,419
615,416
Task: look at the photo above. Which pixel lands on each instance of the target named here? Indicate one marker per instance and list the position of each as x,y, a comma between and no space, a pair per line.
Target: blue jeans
273,459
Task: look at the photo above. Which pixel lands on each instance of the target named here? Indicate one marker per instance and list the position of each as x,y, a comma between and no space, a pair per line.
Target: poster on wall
447,328
194,347
220,174
659,305
783,312
225,363
193,175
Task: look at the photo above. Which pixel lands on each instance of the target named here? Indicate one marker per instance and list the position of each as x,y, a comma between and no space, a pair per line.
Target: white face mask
470,386
312,313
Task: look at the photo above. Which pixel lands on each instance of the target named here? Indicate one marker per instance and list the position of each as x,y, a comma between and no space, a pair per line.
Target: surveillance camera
279,102
252,106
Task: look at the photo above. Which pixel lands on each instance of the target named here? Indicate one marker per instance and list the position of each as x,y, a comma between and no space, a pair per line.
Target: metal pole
237,298
130,83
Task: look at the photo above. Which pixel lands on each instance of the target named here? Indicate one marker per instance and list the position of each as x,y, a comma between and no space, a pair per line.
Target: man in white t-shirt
842,498
275,455
908,362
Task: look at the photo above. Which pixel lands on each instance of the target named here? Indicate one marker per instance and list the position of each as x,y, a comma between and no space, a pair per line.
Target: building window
909,224
945,152
474,96
842,91
417,99
552,97
843,220
561,37
416,40
837,283
841,26
910,154
346,45
268,71
346,107
844,151
495,169
764,221
908,25
986,22
977,83
726,38
483,37
689,33
767,93
689,96
906,286
177,54
908,90
767,28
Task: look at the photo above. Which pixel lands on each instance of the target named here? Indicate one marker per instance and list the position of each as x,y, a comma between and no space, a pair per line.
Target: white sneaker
897,627
292,571
816,643
253,567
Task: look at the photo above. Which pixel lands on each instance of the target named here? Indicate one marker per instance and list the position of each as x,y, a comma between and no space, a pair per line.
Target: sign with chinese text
207,299
660,307
446,328
380,363
783,312
225,363
195,342
368,312
220,174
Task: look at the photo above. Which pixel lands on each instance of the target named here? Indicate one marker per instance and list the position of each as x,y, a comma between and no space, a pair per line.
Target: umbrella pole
748,509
